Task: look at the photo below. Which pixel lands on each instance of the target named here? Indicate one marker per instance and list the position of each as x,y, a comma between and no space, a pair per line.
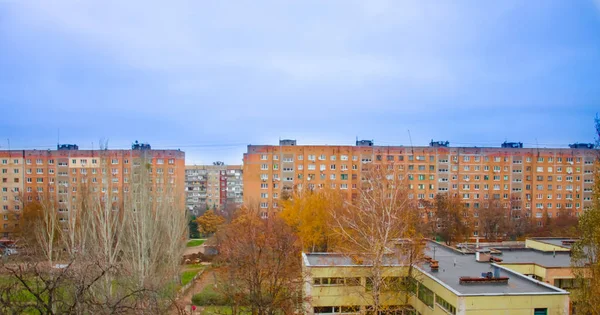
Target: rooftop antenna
411,145
58,137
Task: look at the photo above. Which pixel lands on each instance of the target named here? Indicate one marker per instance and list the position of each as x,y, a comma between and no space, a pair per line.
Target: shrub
208,296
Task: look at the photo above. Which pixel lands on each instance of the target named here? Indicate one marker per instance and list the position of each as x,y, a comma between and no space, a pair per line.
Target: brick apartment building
213,187
61,173
548,179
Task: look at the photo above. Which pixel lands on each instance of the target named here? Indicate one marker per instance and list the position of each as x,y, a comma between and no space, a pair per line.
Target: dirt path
192,250
206,278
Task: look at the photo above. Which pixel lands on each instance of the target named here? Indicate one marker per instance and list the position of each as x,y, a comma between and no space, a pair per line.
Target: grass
189,273
194,243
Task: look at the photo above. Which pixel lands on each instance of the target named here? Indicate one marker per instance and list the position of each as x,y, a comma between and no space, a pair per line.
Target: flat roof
341,260
532,256
453,265
555,241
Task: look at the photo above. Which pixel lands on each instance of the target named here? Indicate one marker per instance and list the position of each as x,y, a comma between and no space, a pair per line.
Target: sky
211,77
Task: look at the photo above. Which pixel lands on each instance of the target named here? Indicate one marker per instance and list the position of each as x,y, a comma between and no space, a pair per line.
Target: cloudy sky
211,77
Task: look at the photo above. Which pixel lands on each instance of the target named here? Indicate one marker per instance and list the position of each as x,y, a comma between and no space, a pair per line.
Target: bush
208,296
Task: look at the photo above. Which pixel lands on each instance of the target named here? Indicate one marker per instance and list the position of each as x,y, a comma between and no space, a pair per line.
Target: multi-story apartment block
529,179
213,187
60,174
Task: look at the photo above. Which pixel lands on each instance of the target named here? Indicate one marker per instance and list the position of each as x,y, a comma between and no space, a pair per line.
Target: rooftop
340,260
562,242
532,256
453,265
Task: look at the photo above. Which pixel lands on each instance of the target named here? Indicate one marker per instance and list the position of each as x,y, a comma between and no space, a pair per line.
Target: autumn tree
520,223
209,222
370,225
262,264
493,219
309,214
586,251
121,250
452,217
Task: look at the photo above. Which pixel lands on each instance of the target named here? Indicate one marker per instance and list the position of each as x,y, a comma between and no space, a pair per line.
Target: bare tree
369,226
124,246
453,218
493,219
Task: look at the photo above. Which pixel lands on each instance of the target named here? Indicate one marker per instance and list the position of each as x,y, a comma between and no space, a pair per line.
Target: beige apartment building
530,181
64,173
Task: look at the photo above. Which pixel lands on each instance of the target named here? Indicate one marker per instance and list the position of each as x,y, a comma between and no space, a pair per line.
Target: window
263,157
264,205
540,311
425,295
445,305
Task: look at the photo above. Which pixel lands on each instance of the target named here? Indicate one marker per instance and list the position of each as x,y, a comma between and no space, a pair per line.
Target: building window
425,295
445,305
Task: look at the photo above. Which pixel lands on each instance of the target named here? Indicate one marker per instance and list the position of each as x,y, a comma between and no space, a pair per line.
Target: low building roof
454,264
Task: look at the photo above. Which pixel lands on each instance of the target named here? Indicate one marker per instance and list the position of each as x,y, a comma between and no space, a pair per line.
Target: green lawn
189,273
194,243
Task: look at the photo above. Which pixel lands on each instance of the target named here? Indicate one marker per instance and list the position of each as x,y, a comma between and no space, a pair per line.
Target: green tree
193,227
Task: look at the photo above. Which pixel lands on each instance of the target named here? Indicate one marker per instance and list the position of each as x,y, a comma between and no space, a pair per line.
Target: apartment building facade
538,181
213,187
60,174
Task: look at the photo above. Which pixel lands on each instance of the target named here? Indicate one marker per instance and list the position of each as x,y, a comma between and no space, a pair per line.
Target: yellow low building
336,284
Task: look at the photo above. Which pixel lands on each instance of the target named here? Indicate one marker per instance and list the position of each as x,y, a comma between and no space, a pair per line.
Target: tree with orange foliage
262,264
209,222
452,217
308,213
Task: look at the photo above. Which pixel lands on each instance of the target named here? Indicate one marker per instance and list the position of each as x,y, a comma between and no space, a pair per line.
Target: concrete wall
516,305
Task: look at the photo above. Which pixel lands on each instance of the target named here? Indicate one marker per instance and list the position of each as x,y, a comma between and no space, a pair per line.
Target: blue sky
210,77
